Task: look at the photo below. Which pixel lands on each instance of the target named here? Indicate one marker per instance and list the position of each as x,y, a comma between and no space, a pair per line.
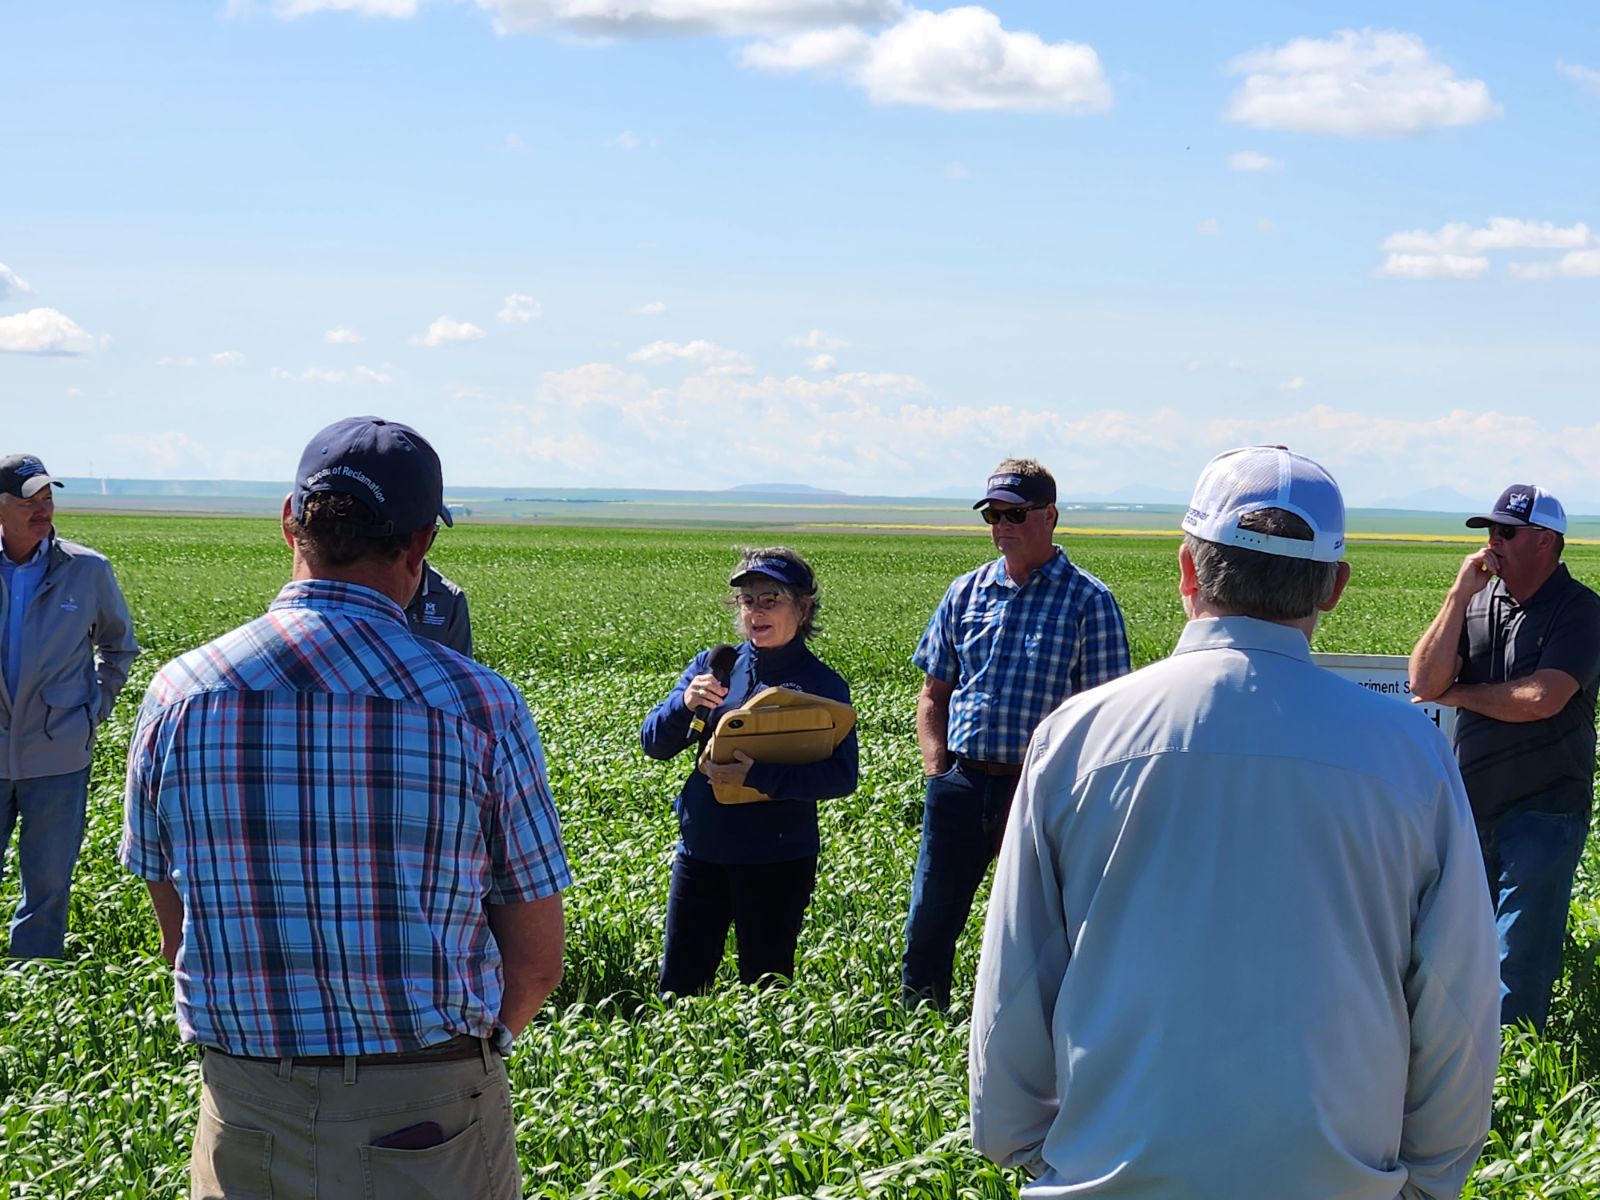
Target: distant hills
784,489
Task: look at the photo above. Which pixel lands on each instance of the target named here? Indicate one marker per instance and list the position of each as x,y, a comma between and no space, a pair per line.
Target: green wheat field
827,1089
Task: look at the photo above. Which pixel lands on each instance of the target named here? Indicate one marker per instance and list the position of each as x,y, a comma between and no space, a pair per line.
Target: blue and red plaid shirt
1015,652
338,802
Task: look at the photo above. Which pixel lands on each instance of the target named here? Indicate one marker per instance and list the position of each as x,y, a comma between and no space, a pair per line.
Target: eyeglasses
764,602
1504,532
1015,516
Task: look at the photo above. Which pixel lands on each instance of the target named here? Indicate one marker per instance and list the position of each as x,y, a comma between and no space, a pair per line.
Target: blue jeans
1530,858
962,823
52,811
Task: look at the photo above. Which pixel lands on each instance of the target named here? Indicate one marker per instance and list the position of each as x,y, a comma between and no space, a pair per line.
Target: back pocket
455,1169
229,1163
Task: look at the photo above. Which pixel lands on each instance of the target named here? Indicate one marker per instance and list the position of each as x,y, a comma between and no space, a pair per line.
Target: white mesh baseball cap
1255,477
1524,504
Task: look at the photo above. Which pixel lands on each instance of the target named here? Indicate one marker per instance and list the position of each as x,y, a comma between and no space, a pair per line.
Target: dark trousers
1530,858
962,824
764,902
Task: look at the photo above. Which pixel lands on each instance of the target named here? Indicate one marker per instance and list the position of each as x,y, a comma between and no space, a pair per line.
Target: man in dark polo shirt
439,613
1516,649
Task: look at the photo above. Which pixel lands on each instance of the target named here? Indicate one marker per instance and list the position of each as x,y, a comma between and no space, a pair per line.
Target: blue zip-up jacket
775,830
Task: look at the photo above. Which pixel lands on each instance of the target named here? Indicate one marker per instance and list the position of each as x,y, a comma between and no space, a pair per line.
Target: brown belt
462,1046
1005,770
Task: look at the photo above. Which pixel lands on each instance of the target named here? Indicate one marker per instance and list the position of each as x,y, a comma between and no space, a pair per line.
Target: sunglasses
1504,532
1013,516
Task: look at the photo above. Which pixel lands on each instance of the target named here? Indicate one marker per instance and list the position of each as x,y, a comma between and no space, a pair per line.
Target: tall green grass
827,1089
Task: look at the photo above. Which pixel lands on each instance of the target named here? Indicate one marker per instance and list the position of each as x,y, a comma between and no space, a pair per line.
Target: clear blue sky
851,243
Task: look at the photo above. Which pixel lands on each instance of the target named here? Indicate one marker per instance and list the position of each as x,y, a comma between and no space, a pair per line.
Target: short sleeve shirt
1545,765
1014,652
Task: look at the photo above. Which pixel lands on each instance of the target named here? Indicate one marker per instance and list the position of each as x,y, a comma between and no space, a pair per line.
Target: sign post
1387,675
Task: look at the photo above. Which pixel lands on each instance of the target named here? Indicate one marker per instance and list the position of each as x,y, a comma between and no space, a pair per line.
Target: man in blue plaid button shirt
1008,643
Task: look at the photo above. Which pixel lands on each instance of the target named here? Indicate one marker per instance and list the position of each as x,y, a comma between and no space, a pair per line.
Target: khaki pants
281,1131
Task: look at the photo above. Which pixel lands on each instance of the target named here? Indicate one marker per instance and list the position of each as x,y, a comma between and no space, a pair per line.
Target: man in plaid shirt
348,837
1007,644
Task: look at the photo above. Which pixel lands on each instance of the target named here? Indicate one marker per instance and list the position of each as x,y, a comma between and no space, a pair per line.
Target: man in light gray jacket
66,643
1238,944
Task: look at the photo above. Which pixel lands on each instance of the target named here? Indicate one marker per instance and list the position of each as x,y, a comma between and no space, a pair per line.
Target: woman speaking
751,865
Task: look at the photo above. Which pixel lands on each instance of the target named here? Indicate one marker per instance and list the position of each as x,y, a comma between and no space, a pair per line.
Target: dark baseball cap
785,570
387,466
1013,488
24,476
1524,504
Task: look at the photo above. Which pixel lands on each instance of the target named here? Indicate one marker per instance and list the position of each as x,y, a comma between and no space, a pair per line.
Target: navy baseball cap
24,476
1524,504
387,466
1012,488
785,570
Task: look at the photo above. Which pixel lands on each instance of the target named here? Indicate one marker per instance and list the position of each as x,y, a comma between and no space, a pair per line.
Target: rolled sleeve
527,860
936,651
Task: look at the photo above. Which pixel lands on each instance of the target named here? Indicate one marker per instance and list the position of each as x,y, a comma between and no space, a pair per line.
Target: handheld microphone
720,664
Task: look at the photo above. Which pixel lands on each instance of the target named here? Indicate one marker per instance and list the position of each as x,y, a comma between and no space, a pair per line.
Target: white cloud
961,59
654,308
322,375
821,364
1252,160
228,358
11,282
1297,384
955,172
653,18
520,309
1356,84
45,331
1460,251
340,336
817,339
1501,233
625,141
514,144
699,352
1210,227
1267,227
888,434
1585,77
1433,266
289,10
1575,264
445,331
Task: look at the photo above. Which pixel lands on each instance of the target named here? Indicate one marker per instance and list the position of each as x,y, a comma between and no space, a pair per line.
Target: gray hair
1269,586
809,603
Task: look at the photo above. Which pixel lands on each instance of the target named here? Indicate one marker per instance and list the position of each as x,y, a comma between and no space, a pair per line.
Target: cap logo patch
27,467
1004,481
1518,502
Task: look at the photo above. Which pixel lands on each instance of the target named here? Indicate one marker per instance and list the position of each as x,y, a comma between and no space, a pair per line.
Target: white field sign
1386,674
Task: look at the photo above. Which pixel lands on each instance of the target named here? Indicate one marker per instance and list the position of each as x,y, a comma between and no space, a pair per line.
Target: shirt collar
1055,569
1243,633
326,595
38,555
1550,588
